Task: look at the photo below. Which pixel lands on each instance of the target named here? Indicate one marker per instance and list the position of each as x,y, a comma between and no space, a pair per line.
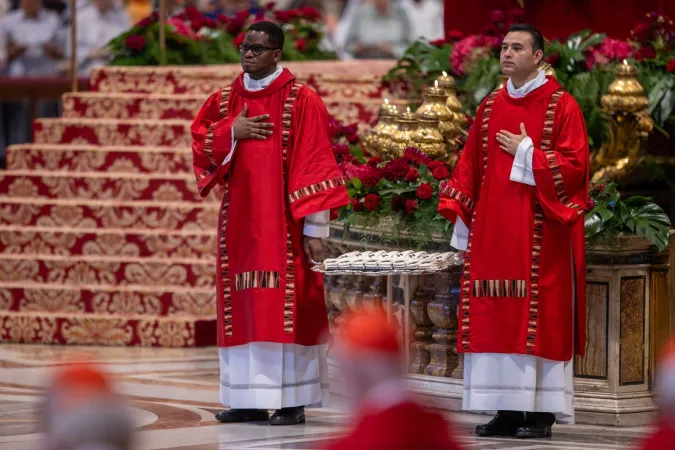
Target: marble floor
173,394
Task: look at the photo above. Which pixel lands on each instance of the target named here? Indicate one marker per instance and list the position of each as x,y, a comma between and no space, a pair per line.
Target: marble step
68,328
129,132
90,158
87,214
108,270
168,187
156,243
102,105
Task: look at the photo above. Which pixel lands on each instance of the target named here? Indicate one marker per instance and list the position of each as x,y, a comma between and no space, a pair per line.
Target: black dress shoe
505,423
242,415
288,416
537,426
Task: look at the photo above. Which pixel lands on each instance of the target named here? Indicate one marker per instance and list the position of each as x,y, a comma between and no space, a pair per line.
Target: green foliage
611,216
420,65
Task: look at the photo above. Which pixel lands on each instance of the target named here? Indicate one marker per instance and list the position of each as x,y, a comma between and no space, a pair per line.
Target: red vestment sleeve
561,174
459,195
211,144
314,180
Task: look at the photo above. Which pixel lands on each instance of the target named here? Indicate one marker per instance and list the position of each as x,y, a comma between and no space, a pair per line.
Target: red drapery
558,19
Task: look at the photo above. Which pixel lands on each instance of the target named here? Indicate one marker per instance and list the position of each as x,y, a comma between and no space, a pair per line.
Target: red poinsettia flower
309,13
372,202
356,205
425,191
411,206
670,67
412,175
135,42
441,173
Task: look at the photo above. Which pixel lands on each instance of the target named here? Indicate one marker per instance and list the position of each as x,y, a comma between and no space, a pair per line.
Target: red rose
425,191
356,205
293,13
411,206
301,45
270,5
454,35
309,13
193,13
355,160
397,203
282,16
135,42
239,39
600,187
350,129
441,173
353,138
590,204
222,19
412,175
209,23
435,165
243,14
145,22
372,201
236,25
438,42
670,67
642,31
374,161
196,25
645,53
396,169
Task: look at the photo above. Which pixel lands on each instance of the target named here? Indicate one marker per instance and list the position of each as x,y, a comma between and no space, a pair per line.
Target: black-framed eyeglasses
256,49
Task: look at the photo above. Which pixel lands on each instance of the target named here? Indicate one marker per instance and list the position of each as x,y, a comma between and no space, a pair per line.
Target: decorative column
421,335
443,314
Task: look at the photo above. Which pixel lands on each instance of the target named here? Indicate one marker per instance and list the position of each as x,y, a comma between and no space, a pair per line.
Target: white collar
258,85
528,87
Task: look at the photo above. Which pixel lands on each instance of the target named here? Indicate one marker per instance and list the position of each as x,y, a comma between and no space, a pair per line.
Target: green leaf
357,184
650,222
592,224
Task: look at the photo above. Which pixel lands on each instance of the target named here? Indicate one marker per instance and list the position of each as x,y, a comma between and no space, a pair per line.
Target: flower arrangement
399,199
583,64
195,39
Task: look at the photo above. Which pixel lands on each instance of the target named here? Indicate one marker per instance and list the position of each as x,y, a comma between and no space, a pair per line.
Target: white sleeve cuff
229,155
317,225
460,235
521,171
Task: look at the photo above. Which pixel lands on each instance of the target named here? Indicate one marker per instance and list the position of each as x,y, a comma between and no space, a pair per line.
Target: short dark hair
537,38
274,32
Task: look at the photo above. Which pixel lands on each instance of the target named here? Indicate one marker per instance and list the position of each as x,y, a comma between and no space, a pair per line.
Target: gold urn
386,115
428,139
449,85
625,93
435,100
407,125
386,134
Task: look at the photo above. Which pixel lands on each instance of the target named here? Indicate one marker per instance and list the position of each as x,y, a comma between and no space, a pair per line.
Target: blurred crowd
35,38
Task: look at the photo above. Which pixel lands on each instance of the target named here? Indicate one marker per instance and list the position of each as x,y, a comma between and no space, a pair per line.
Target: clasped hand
509,142
251,127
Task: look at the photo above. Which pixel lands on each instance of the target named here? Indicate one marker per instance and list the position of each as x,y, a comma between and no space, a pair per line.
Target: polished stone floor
173,393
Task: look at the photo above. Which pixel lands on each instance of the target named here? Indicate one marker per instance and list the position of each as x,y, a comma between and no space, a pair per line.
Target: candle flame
436,83
625,63
386,100
408,108
445,74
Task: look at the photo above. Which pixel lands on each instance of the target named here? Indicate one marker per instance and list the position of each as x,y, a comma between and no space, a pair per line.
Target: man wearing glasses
265,139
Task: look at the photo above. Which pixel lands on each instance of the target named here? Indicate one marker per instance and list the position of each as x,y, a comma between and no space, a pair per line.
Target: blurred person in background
97,24
33,50
386,417
229,8
380,30
663,437
426,18
82,412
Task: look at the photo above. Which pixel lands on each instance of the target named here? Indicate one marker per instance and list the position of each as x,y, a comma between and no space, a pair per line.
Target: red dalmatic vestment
524,241
266,290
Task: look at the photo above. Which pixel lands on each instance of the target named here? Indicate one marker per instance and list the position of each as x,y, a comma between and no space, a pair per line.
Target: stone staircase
104,239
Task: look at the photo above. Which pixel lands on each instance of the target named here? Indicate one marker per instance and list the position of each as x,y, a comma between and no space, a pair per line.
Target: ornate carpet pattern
104,238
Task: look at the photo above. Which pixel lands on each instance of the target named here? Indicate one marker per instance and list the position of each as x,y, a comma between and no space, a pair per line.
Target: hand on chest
508,128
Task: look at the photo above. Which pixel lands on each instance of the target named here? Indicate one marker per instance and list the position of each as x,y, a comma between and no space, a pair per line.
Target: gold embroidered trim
315,188
500,288
459,196
257,279
464,325
208,139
